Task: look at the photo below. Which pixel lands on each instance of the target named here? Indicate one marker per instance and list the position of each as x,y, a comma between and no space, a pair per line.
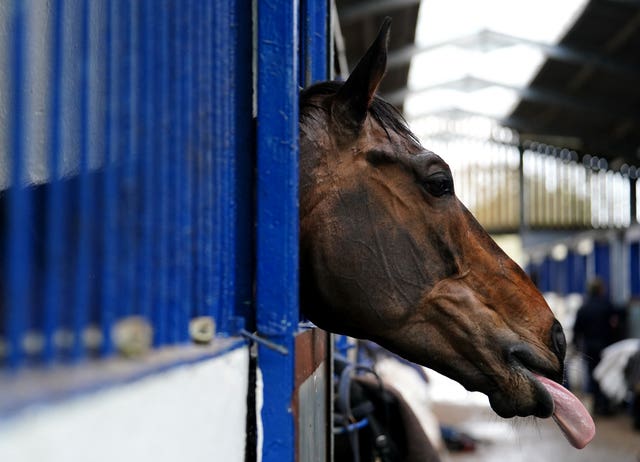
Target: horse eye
438,184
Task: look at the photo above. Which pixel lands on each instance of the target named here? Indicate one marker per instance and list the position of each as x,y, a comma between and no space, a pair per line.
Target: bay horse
389,253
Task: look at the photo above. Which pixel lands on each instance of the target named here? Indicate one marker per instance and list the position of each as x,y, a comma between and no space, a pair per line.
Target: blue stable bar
545,282
236,102
177,312
559,276
109,232
163,326
277,218
166,316
570,270
84,192
634,268
282,68
144,148
178,139
314,46
602,262
224,163
17,249
56,206
208,225
579,284
128,163
185,176
212,255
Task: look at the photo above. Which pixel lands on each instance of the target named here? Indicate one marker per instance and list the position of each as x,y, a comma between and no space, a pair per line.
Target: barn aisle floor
529,440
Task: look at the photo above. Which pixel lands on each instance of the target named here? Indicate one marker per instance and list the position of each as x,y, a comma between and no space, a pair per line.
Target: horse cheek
367,269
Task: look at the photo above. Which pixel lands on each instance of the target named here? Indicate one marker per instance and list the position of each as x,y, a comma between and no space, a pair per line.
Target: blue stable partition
125,173
634,268
559,275
602,262
577,272
546,277
140,186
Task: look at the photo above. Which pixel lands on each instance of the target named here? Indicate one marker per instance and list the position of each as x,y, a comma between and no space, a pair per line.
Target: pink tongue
570,415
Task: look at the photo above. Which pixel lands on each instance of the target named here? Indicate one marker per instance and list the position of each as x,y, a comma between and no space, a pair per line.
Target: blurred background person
593,331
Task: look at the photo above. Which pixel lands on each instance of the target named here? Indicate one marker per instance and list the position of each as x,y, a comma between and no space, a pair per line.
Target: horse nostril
522,355
558,340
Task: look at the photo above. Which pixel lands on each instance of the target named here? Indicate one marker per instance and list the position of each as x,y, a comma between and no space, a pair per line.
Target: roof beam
586,73
488,39
530,93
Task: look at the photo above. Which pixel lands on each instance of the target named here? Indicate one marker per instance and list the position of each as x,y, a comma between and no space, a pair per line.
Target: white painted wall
194,412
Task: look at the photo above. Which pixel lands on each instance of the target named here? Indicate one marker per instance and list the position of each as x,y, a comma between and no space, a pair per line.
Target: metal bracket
263,341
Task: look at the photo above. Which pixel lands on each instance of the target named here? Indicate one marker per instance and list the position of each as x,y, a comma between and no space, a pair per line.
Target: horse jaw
468,339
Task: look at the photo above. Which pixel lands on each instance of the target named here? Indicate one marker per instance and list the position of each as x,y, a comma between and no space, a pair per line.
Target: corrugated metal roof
595,86
586,96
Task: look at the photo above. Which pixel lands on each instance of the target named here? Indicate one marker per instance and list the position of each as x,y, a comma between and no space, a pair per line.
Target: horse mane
386,114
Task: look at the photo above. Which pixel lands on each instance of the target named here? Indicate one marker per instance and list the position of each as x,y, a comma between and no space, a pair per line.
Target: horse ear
351,103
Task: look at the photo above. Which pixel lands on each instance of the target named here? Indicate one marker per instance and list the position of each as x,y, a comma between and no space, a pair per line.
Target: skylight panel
496,56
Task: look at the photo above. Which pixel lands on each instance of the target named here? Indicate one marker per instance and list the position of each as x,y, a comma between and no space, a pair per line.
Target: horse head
389,253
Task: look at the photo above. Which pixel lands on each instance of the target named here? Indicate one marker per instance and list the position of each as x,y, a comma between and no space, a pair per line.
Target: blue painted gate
136,182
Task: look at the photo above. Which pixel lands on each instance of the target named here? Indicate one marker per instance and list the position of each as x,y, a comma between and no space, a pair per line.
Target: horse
388,253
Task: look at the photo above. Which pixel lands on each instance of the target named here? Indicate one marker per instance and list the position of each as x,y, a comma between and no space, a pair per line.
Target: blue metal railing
136,198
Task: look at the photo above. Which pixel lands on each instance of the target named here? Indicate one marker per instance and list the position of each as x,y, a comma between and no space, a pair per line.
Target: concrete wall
195,412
